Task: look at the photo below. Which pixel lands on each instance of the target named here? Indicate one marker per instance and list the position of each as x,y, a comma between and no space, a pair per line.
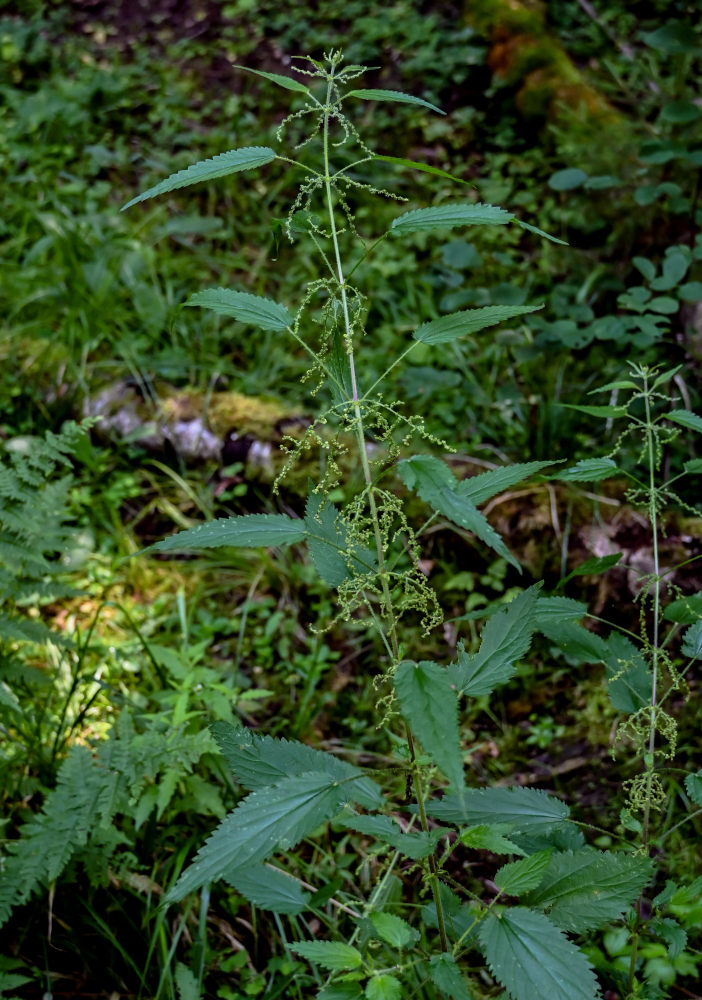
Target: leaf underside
246,531
243,306
447,216
431,707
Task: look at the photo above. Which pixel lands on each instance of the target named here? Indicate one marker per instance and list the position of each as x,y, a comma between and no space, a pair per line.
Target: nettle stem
373,509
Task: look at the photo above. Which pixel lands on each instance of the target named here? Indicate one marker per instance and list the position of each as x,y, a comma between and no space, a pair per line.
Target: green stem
375,520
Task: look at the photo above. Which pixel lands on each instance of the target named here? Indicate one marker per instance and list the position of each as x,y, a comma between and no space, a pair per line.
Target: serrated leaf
693,787
327,540
394,930
672,933
692,641
685,610
384,987
253,309
505,639
434,482
414,845
598,564
576,641
261,761
447,977
490,838
341,991
598,411
533,959
694,466
686,419
273,818
430,706
523,808
207,170
629,680
269,888
586,889
186,983
520,876
554,610
395,96
447,216
455,325
288,82
247,531
540,232
334,955
400,161
589,470
486,485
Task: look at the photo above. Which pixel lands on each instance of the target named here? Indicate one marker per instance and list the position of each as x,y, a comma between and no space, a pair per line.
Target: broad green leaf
586,889
486,485
692,641
588,470
673,37
186,983
524,808
567,180
694,466
334,955
686,419
693,787
283,81
540,232
447,216
414,845
207,170
672,933
533,959
685,610
490,838
554,610
447,977
434,482
249,531
629,679
619,383
392,95
273,818
394,930
400,161
598,411
254,309
384,987
261,761
520,876
449,328
327,540
598,564
680,112
576,641
270,888
341,991
505,639
430,706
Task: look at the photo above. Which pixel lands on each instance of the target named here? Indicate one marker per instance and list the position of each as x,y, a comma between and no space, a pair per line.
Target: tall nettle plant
369,552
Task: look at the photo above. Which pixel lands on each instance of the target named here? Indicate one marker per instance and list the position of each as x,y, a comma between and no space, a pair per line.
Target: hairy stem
375,520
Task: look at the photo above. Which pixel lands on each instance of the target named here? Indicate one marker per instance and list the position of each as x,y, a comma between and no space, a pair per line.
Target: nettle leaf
254,309
261,761
384,987
249,531
598,411
586,889
394,930
521,876
505,639
685,610
693,787
334,955
274,818
555,610
486,485
629,679
575,640
672,933
589,470
283,81
430,705
524,808
692,641
434,482
327,539
540,232
270,888
207,170
533,959
447,977
341,991
686,419
447,216
490,838
400,161
455,325
414,845
392,95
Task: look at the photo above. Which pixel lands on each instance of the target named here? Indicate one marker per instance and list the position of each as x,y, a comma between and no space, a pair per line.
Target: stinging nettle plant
552,884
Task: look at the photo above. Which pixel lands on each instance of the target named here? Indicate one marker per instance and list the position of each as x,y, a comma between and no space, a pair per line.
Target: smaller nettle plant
552,884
